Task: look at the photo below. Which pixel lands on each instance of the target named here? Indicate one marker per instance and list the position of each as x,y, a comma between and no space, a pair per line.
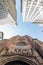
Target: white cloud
40,24
7,30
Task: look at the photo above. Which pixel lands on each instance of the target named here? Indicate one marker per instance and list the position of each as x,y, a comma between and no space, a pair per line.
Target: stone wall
21,46
38,46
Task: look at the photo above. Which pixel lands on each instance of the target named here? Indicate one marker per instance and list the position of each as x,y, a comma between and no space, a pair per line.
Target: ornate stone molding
19,48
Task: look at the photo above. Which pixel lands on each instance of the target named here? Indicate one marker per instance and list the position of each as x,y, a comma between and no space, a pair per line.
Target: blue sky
23,28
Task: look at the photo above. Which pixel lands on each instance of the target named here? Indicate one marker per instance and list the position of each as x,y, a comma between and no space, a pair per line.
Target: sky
23,28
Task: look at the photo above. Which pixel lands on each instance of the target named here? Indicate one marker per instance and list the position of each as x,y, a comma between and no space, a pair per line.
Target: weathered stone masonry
22,48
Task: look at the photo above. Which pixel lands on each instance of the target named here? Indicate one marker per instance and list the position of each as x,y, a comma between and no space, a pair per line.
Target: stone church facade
21,49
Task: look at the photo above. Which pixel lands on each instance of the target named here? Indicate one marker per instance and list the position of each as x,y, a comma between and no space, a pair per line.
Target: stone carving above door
20,48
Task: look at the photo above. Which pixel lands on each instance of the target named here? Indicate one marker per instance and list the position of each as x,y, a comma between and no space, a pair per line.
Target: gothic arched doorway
18,60
17,63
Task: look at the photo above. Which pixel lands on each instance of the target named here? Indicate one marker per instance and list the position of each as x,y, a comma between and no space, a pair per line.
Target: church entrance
17,63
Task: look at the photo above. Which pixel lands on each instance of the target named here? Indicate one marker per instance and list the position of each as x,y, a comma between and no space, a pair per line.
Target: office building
1,35
8,13
32,11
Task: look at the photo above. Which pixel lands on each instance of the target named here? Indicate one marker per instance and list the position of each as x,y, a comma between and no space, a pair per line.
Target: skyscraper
32,11
8,13
1,35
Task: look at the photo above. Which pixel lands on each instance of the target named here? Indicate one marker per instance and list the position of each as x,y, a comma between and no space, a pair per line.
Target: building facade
32,11
21,50
8,13
1,35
